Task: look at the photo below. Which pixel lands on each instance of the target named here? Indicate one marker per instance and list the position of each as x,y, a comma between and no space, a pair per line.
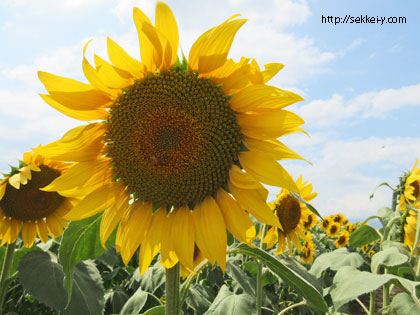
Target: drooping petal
262,96
122,60
251,195
236,219
267,170
79,144
210,231
166,24
183,236
97,201
268,123
41,230
167,250
151,243
112,216
271,237
28,233
133,228
53,226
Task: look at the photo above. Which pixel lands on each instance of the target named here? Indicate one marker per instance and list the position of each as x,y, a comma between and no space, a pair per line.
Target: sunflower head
370,253
338,218
308,249
25,207
365,248
342,239
410,184
410,227
180,150
325,223
333,229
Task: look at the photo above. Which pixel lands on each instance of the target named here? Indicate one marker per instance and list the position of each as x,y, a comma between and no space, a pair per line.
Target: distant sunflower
365,248
290,213
411,187
370,254
342,239
333,229
189,141
308,249
338,218
325,223
26,209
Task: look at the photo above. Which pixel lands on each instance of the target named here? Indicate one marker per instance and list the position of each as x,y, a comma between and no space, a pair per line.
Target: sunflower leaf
228,303
135,303
80,241
380,185
403,304
310,207
292,273
365,234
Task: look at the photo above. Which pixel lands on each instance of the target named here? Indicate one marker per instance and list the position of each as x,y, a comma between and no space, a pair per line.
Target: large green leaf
80,241
116,299
157,310
135,303
365,234
335,260
199,298
227,303
292,273
152,279
403,304
388,257
42,277
88,293
247,283
349,283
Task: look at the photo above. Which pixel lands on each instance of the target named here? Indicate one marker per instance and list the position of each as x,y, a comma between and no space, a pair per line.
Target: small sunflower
325,223
291,214
333,229
181,147
338,218
308,249
410,226
370,254
365,248
350,227
25,208
309,220
342,239
411,187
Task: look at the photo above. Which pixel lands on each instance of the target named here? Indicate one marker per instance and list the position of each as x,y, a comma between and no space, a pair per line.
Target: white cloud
124,8
40,6
346,172
336,110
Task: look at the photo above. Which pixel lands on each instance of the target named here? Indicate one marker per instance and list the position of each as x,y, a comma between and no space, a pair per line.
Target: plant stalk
173,306
385,298
5,270
258,301
372,303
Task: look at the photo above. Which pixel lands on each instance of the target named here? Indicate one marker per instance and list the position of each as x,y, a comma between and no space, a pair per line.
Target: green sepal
181,66
156,207
191,205
225,186
243,148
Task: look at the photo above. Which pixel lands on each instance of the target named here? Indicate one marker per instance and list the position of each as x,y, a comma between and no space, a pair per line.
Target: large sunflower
292,214
27,209
188,142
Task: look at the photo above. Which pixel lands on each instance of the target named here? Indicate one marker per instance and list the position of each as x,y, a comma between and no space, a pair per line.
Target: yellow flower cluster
338,226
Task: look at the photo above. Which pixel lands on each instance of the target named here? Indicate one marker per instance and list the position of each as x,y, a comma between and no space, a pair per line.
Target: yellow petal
94,78
262,96
41,229
146,47
12,232
53,226
167,250
154,39
271,69
151,244
56,83
236,219
166,24
112,76
210,231
268,123
97,201
183,237
267,170
79,175
271,237
133,228
122,60
214,42
112,216
273,149
79,144
84,115
85,100
251,195
14,181
3,185
28,233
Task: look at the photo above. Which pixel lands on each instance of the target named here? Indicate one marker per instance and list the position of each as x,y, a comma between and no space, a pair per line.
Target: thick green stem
172,291
5,270
385,298
418,270
372,303
260,273
394,199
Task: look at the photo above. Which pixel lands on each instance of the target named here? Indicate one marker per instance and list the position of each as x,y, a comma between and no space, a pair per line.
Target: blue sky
360,82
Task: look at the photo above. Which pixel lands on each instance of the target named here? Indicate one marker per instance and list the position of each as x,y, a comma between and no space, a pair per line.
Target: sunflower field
156,204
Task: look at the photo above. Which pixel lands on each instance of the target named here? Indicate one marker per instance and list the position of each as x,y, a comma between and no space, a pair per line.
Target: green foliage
365,234
135,303
228,303
403,304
